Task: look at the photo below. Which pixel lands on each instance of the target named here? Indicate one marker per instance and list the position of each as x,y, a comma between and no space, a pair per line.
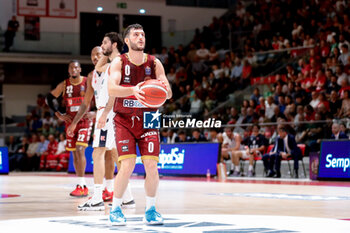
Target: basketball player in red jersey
127,73
73,91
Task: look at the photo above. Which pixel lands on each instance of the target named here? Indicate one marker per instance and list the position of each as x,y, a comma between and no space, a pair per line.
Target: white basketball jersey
231,142
99,84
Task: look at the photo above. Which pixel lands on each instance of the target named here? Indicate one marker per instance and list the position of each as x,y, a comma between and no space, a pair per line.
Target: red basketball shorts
129,131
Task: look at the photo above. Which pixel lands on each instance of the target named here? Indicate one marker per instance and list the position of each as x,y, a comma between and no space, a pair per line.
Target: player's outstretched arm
102,64
160,73
114,87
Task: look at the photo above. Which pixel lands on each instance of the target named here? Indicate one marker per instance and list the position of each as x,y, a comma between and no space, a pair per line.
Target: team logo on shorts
151,120
125,148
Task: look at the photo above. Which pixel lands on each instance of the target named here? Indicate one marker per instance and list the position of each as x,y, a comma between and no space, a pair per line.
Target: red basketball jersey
131,75
73,95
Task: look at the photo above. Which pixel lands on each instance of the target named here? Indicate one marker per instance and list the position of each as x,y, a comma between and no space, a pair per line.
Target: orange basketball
155,93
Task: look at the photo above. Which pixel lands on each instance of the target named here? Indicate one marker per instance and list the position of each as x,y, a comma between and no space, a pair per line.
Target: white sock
250,167
81,181
237,169
127,194
150,201
97,196
232,166
116,202
110,185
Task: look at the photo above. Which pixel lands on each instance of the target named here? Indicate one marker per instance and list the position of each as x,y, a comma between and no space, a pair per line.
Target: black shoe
271,174
278,174
296,174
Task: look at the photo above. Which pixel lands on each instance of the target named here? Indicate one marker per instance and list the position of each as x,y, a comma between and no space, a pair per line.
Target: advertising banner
174,159
334,160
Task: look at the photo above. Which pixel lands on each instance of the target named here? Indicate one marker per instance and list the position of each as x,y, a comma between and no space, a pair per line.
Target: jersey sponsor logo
150,133
151,120
148,70
74,101
127,79
124,141
132,104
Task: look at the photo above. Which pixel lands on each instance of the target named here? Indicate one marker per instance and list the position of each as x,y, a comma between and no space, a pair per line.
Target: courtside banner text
174,159
334,160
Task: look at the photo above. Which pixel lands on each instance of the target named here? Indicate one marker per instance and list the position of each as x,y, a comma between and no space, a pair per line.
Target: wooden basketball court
46,195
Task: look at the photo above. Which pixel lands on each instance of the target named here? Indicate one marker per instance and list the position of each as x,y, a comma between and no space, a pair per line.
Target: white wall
18,97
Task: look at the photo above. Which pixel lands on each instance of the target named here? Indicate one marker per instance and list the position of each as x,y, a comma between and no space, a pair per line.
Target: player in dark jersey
127,73
73,91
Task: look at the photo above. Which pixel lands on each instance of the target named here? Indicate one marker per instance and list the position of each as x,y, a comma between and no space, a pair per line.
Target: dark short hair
345,46
132,26
181,132
74,61
115,38
256,126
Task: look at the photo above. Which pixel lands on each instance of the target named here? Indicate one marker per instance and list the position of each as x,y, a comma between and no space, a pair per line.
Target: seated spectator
37,124
12,146
345,107
334,103
213,55
230,143
256,95
236,71
196,106
47,160
270,108
197,136
256,144
163,136
332,85
32,159
181,137
42,147
336,133
202,53
285,146
343,58
213,135
62,155
171,136
16,161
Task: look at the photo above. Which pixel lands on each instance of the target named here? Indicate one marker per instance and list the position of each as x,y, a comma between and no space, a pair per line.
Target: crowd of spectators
314,86
43,145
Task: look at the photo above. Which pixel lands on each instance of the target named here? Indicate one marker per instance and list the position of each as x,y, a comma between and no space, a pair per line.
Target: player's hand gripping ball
155,93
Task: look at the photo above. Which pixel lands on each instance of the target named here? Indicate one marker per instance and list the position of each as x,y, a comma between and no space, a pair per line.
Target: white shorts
104,137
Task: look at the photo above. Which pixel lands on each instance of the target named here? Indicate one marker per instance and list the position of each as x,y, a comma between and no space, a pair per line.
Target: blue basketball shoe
117,217
152,217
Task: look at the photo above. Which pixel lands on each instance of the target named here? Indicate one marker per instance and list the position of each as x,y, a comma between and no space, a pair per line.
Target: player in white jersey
104,142
231,143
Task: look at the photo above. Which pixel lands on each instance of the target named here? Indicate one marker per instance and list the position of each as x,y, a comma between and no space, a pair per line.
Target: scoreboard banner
174,159
47,8
32,7
334,162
